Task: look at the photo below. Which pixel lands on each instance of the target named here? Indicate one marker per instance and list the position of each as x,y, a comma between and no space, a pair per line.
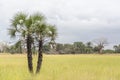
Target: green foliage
17,47
59,47
79,47
68,48
4,48
33,25
117,48
46,48
108,51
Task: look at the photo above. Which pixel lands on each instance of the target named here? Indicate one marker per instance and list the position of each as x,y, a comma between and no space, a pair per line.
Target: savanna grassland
62,67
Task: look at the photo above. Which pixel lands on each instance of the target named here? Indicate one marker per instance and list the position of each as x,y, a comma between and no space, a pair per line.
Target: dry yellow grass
62,67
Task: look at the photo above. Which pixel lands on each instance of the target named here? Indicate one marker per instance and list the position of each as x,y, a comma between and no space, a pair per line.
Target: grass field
62,67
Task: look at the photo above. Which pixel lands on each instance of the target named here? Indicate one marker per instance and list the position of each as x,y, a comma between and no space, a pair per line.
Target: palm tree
21,26
32,28
43,32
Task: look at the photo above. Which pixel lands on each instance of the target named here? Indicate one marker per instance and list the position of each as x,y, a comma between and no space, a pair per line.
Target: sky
76,20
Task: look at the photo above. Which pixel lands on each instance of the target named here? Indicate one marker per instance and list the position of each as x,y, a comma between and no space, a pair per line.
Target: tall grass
62,67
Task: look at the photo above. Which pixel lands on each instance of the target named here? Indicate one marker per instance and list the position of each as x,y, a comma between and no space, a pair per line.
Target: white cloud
72,17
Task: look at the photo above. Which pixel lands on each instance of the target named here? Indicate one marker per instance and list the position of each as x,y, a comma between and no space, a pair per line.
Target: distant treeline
59,48
79,48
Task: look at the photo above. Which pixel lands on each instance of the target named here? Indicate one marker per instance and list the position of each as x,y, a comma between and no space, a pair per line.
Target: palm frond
18,44
12,32
38,17
40,28
28,23
23,34
18,19
52,32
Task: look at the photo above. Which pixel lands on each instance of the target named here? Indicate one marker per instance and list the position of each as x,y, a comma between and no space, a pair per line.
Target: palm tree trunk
29,54
39,62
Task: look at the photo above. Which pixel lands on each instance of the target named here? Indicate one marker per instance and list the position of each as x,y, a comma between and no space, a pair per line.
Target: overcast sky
76,20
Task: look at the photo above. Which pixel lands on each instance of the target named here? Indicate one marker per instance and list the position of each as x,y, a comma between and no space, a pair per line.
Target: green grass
62,67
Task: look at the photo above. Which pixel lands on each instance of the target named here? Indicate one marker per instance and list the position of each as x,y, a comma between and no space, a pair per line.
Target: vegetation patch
62,67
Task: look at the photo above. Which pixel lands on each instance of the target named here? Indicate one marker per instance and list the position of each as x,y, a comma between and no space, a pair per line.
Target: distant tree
95,49
89,48
4,47
79,47
60,48
117,48
108,51
16,48
100,43
68,49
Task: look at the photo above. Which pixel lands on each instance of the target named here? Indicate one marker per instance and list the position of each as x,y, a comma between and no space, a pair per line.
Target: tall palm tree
40,32
47,32
43,31
21,25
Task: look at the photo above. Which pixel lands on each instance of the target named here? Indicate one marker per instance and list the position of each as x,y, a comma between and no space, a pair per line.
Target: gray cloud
76,20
